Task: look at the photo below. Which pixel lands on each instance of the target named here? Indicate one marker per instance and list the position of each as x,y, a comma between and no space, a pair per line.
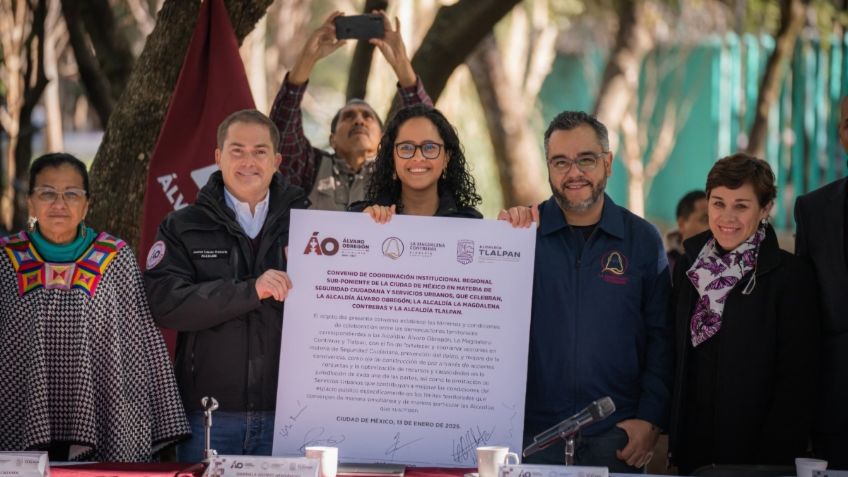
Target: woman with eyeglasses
420,169
746,318
85,374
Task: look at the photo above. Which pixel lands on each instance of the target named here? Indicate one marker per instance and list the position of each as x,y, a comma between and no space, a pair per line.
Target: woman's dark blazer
766,364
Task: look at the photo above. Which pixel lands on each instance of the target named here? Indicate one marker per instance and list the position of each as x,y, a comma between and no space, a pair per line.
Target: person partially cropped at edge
691,216
335,180
420,170
599,324
216,274
85,374
746,318
821,236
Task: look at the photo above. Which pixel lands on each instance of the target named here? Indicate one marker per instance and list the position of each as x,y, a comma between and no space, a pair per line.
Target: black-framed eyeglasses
430,150
586,161
49,195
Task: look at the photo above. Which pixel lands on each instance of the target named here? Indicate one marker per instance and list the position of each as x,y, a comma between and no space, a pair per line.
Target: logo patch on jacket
209,253
156,254
614,267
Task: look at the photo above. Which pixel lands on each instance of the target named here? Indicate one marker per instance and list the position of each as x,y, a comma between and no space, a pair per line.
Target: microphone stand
209,404
568,429
569,449
566,435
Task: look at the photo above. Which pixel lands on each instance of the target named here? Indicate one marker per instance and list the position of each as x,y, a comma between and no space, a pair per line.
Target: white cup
489,458
804,467
328,459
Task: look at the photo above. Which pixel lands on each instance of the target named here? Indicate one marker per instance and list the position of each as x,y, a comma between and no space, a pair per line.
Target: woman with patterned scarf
746,331
84,373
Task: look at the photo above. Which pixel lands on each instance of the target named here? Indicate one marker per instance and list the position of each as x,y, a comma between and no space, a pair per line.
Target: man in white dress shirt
216,274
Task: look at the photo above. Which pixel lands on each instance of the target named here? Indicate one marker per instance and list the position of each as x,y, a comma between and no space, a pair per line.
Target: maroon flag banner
212,84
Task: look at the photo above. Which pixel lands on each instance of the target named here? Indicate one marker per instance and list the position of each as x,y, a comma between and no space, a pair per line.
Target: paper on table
255,466
24,464
526,470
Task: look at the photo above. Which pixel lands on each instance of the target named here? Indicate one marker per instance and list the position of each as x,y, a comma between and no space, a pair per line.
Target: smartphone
360,27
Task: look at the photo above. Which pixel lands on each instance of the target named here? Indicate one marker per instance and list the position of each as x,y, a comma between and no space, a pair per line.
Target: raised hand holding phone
392,47
359,27
320,43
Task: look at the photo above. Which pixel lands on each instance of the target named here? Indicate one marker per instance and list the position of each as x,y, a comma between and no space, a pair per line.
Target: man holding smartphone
335,180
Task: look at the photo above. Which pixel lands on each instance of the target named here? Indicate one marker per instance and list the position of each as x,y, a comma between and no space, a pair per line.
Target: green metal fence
721,77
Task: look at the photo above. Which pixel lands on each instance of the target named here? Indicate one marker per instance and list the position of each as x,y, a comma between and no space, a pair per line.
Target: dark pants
595,451
233,433
833,449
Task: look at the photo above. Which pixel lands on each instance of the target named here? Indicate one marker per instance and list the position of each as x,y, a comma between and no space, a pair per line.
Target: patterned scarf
714,276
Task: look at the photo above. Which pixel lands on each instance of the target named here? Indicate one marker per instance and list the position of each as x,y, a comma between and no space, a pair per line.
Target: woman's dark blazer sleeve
789,420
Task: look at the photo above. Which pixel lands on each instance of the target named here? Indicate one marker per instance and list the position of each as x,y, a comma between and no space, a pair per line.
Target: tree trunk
105,75
54,44
36,82
24,58
289,20
143,19
111,45
13,19
456,31
53,140
646,146
631,158
621,74
287,23
120,167
96,85
360,66
791,22
636,192
516,152
253,56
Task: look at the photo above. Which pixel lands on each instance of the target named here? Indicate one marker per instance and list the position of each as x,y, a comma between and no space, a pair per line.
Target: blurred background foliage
680,83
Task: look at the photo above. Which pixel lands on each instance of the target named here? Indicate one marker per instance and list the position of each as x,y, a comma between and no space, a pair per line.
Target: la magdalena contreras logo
393,248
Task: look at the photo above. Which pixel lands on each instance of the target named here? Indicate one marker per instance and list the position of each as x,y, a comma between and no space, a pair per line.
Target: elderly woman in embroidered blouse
746,329
85,374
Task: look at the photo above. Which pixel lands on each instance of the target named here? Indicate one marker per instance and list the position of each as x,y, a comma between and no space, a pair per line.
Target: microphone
594,412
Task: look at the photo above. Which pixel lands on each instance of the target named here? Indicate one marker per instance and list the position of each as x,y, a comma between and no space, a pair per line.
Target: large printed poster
404,342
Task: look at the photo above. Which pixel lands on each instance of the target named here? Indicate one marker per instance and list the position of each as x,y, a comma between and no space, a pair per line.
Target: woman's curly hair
456,179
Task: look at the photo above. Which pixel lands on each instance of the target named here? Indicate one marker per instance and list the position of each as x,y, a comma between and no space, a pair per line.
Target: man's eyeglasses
430,150
49,195
585,162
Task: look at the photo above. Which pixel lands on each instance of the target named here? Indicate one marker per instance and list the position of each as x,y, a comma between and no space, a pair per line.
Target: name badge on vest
209,253
326,184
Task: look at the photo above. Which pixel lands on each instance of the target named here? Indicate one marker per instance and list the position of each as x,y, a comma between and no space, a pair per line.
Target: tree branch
120,168
96,84
791,22
360,66
111,47
143,18
516,154
456,31
621,74
35,81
